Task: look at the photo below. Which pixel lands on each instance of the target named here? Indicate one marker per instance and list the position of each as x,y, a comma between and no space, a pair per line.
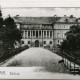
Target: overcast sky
16,7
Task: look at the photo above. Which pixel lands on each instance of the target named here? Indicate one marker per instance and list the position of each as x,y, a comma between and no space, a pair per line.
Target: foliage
72,42
9,34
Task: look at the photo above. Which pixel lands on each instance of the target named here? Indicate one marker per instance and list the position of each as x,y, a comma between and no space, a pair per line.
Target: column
30,33
31,38
49,34
52,34
43,33
46,33
38,33
27,34
24,34
35,33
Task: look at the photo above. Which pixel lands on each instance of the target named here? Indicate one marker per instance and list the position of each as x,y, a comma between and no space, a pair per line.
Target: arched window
50,42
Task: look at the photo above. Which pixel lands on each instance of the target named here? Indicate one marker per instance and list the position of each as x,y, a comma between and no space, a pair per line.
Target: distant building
44,31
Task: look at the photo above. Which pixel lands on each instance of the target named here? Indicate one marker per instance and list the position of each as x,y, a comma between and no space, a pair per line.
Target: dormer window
71,16
66,20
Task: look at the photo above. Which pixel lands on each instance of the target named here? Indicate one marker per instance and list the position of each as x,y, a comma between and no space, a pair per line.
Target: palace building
44,31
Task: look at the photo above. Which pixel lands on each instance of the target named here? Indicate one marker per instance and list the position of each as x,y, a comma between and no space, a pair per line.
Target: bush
13,52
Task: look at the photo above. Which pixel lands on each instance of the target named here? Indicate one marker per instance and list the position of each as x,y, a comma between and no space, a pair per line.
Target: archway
36,43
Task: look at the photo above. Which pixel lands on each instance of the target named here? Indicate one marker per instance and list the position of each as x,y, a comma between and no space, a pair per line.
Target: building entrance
36,43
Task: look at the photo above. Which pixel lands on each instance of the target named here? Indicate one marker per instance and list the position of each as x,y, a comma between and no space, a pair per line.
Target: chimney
55,16
71,16
65,16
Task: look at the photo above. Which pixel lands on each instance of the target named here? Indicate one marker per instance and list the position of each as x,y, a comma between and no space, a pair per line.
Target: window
26,34
44,42
22,42
33,33
47,33
28,42
44,33
50,42
50,33
36,34
39,33
29,33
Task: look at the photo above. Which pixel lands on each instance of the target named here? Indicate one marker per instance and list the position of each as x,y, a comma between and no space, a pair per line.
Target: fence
69,61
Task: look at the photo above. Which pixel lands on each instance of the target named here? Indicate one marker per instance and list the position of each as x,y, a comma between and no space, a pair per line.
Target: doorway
36,43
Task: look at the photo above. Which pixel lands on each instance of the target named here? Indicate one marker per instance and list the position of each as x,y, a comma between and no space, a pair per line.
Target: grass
14,63
49,66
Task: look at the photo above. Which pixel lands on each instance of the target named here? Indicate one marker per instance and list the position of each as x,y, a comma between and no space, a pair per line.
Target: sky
40,8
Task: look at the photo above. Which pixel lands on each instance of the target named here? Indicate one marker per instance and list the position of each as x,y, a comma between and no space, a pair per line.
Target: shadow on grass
48,66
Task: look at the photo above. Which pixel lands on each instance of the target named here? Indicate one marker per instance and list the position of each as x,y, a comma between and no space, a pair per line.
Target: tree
72,39
9,34
14,34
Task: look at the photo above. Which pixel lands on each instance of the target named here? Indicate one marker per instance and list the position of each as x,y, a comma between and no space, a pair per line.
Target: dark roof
36,20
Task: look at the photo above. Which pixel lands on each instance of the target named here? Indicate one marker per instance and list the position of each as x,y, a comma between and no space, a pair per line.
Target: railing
70,62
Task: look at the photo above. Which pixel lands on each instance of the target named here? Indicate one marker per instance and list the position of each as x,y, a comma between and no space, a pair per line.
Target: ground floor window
28,42
50,42
44,42
22,42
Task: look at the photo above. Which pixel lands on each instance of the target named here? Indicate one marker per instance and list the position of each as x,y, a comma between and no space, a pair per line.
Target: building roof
36,20
67,19
47,20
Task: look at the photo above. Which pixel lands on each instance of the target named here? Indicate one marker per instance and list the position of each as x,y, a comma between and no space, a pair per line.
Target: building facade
44,31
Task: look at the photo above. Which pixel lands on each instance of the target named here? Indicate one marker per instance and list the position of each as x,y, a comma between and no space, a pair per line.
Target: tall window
36,34
33,33
50,34
39,33
28,33
44,34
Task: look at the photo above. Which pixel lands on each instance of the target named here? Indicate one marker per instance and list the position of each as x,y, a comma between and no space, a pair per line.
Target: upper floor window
39,33
50,33
44,33
47,33
33,33
28,33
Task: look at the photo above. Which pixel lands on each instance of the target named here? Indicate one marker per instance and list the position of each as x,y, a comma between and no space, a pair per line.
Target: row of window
44,42
37,34
62,27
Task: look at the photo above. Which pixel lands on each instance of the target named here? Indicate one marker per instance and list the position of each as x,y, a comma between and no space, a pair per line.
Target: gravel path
38,63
